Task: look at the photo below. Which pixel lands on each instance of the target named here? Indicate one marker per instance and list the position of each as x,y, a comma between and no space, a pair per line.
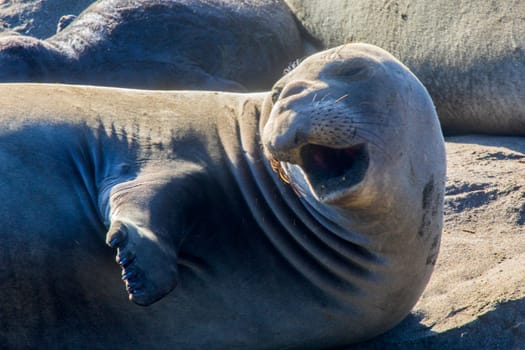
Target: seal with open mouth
308,217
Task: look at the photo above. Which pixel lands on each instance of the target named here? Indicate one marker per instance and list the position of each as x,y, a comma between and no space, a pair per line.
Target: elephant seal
470,56
157,44
37,18
308,217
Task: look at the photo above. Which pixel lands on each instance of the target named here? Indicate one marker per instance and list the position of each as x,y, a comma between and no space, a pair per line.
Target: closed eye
352,72
356,69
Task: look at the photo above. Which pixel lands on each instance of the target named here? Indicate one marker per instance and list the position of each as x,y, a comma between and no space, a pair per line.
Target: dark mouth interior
331,169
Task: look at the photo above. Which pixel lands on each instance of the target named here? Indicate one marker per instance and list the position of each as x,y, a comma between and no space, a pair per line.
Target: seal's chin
332,172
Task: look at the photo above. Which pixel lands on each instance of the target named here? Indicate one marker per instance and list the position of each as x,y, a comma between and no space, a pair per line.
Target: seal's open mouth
332,170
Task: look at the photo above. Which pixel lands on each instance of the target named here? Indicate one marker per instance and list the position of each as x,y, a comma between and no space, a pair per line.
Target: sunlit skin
308,216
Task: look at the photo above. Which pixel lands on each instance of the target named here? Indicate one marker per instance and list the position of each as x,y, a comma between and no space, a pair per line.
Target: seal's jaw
334,172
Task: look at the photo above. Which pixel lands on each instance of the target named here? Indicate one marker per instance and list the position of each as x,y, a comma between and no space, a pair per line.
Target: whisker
325,96
341,98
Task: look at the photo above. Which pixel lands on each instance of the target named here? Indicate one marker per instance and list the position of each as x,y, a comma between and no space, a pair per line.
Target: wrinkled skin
205,231
179,44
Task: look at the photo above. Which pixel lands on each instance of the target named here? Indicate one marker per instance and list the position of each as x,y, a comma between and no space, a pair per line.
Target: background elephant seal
37,18
469,55
338,252
205,44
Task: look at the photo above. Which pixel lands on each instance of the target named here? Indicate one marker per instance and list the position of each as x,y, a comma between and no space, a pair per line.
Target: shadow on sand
502,328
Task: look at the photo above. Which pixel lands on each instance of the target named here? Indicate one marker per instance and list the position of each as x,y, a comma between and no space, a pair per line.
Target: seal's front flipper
148,217
149,265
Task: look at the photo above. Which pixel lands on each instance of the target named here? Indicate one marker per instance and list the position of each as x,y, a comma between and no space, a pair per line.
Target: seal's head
344,121
24,58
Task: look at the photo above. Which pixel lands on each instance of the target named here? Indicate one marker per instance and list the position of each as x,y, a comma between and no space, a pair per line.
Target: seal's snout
316,128
285,133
